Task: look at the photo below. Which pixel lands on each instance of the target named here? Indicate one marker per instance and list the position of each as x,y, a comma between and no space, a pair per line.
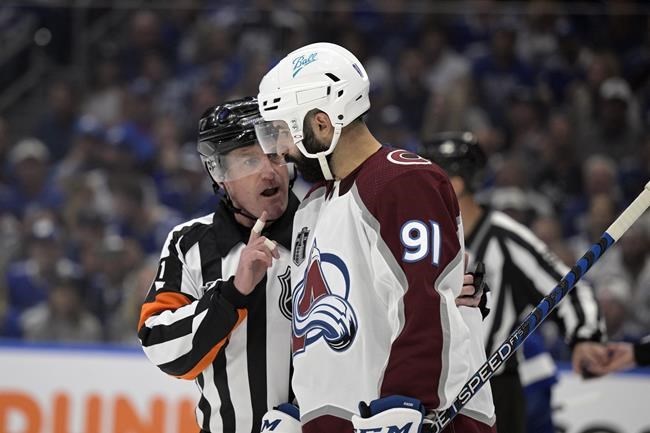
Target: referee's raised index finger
256,230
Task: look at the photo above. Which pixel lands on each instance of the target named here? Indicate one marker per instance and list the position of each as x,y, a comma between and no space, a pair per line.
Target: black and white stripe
520,271
251,370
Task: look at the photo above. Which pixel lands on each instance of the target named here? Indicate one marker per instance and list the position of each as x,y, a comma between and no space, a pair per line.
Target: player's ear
322,122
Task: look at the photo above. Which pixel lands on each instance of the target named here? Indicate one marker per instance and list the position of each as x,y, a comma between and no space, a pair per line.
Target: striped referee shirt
521,270
195,325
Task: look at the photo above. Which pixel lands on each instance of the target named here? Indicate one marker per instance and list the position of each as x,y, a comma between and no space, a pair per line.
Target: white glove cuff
399,419
277,421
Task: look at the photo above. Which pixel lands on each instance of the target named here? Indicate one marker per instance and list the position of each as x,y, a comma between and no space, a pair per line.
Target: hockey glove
282,419
394,413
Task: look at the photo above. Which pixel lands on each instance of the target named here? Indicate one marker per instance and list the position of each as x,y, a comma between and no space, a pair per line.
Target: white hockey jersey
377,265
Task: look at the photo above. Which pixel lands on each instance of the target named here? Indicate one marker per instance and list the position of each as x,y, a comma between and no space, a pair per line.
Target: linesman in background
520,269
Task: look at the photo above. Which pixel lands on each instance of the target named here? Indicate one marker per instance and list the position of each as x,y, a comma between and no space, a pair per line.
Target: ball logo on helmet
302,61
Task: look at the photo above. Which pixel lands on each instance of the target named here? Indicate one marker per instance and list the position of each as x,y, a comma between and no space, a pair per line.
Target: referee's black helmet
459,154
224,128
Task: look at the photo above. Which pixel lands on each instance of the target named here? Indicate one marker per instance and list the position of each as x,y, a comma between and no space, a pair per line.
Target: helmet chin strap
322,156
235,210
324,166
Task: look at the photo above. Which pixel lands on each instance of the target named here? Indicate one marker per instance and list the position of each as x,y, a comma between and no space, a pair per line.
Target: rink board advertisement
83,390
52,389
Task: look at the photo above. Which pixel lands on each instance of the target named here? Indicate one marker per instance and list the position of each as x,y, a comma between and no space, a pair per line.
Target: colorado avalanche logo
404,157
321,310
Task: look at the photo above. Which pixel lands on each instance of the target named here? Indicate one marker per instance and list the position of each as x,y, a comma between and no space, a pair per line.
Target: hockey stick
542,310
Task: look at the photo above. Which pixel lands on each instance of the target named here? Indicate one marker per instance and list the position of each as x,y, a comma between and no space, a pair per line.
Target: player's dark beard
309,167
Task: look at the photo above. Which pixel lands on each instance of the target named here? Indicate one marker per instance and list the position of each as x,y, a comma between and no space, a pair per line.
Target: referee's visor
274,136
236,160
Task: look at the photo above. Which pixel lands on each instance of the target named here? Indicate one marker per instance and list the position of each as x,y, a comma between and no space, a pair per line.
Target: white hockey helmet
319,76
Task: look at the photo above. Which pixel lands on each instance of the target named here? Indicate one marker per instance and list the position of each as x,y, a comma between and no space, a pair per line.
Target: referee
520,270
219,309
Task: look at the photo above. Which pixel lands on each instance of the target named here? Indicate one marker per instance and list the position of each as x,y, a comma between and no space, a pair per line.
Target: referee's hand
256,257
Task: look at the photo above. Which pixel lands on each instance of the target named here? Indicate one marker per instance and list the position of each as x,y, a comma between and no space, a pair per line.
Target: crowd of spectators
560,102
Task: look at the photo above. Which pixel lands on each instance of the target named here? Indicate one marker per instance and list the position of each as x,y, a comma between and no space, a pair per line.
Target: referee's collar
229,232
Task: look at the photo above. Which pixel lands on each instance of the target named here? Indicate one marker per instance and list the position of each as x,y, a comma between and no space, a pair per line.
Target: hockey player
377,261
520,270
219,309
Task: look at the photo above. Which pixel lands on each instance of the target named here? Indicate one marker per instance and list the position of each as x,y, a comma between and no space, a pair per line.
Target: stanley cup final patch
300,246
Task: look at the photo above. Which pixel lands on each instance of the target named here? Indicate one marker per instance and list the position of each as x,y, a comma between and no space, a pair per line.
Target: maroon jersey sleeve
418,218
328,424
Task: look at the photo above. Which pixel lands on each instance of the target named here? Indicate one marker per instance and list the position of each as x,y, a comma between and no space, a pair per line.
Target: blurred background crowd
99,103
